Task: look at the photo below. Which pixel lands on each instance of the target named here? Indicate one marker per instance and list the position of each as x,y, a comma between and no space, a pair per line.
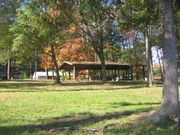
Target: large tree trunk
170,101
57,79
103,65
103,68
148,60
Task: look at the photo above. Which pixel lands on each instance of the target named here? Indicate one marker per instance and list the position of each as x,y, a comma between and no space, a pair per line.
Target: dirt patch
6,96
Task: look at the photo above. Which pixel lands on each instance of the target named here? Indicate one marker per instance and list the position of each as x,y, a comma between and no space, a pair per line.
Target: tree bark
57,79
103,66
170,100
148,60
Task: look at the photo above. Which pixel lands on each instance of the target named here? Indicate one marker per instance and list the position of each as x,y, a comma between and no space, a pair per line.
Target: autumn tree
75,50
48,20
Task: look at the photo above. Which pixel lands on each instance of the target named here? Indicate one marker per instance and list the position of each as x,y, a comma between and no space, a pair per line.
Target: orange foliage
72,50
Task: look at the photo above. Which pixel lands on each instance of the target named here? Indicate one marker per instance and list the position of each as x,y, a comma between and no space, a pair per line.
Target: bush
24,75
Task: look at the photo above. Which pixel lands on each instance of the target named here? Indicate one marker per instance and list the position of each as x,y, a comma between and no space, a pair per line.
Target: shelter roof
68,65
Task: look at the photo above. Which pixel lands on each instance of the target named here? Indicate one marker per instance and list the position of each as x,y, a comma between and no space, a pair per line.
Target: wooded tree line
116,30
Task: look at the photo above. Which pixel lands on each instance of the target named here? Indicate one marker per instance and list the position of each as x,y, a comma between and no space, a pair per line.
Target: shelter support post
143,72
115,74
74,73
69,72
89,75
118,75
131,72
126,74
108,73
99,74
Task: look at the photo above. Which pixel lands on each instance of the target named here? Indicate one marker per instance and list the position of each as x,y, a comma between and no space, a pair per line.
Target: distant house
40,75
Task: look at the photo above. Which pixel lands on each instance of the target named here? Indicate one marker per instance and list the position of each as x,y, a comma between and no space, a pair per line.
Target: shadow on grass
66,90
36,86
15,84
130,104
160,128
69,121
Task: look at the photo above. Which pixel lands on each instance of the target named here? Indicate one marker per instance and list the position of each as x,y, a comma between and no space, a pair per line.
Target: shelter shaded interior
92,70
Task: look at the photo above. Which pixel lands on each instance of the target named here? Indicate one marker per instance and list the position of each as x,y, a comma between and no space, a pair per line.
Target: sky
155,55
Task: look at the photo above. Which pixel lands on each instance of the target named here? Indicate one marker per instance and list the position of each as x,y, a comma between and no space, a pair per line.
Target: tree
79,51
94,19
43,24
170,100
170,103
7,16
141,15
27,43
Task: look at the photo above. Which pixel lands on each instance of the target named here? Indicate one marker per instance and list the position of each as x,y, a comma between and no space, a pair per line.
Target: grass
25,104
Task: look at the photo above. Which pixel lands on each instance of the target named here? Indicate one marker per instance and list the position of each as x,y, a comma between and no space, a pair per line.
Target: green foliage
26,36
7,14
24,75
138,14
39,24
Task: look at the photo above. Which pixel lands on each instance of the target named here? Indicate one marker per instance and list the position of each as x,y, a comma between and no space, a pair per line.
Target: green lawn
34,107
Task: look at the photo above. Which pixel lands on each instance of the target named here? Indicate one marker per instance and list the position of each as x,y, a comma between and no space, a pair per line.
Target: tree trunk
36,64
170,100
35,68
8,69
30,70
103,67
46,67
57,79
151,64
47,75
159,61
53,73
148,61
